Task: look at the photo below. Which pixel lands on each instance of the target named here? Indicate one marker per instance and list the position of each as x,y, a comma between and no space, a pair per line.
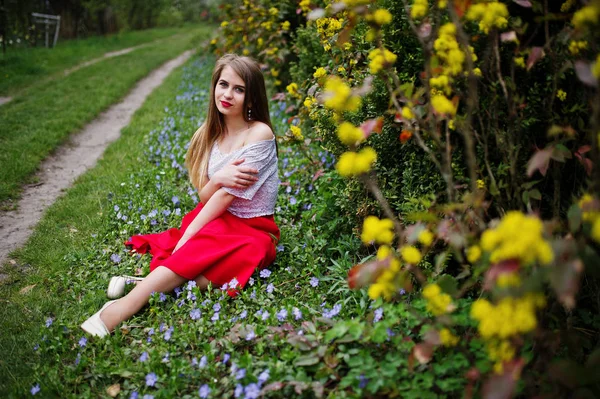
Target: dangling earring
249,114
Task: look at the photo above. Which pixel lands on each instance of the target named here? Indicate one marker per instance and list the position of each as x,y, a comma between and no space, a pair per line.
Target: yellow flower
304,5
352,163
477,72
517,237
274,72
381,59
595,233
376,230
327,47
319,73
426,237
419,9
338,96
596,67
489,15
260,41
438,303
410,255
473,254
292,88
213,41
447,338
382,16
520,62
505,280
407,113
586,16
245,51
224,24
250,19
341,69
480,184
348,46
273,11
297,132
285,25
575,46
309,102
442,4
561,95
443,106
350,134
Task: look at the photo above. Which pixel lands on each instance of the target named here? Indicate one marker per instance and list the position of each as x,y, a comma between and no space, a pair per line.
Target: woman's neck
234,126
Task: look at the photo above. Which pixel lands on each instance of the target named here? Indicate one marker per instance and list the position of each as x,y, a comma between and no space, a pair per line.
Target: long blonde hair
196,159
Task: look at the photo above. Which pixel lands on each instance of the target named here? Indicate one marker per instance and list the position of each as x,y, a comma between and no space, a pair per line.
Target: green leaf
448,284
574,217
535,194
307,360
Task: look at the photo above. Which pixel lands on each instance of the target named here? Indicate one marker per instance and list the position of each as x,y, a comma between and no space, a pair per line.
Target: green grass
67,229
22,67
37,122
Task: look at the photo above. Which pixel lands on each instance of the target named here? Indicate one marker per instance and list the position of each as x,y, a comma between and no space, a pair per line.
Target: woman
232,161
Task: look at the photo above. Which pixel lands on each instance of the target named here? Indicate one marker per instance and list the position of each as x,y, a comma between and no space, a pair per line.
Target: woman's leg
160,279
201,282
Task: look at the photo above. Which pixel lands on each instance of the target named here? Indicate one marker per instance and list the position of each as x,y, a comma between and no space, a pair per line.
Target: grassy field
42,118
67,229
22,67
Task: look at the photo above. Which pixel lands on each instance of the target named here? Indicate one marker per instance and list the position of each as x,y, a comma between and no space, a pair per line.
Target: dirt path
82,151
66,72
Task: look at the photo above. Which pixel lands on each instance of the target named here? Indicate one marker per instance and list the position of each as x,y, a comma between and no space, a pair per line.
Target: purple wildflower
162,297
35,389
175,200
151,379
203,362
77,359
177,291
165,359
239,390
195,314
82,342
264,273
226,358
243,315
143,357
362,381
297,313
217,307
293,200
378,314
250,336
204,391
148,396
263,377
49,321
251,391
328,314
314,282
168,333
115,258
280,248
270,288
282,315
191,284
134,395
265,316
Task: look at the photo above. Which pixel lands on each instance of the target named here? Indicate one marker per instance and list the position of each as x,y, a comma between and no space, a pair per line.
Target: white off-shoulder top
258,199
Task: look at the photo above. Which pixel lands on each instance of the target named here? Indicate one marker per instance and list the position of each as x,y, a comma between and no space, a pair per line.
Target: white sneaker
116,286
94,325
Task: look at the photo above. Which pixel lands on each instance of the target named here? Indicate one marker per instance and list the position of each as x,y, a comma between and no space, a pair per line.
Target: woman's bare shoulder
259,131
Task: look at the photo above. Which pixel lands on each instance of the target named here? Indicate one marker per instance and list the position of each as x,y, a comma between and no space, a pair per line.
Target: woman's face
230,92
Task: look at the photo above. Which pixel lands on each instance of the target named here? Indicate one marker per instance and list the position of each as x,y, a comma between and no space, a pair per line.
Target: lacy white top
258,199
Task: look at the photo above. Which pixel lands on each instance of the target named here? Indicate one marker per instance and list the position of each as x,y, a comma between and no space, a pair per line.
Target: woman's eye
240,90
223,84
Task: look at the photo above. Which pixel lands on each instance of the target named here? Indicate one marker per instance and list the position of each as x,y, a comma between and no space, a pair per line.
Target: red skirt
228,247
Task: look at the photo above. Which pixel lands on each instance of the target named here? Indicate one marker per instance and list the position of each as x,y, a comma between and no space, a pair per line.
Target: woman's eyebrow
223,80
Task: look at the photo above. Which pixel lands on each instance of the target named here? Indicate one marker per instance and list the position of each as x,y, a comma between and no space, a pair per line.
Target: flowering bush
503,107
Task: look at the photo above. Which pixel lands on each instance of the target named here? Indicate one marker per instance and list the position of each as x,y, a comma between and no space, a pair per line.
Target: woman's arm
231,176
214,207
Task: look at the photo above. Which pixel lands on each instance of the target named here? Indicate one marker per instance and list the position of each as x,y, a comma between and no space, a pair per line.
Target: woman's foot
116,286
94,325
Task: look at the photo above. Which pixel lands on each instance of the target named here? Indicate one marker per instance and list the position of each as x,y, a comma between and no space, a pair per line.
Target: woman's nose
228,93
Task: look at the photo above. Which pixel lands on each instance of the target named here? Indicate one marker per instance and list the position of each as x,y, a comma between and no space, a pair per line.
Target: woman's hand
235,175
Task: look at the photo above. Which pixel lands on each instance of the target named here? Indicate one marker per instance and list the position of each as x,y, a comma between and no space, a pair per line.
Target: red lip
226,104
